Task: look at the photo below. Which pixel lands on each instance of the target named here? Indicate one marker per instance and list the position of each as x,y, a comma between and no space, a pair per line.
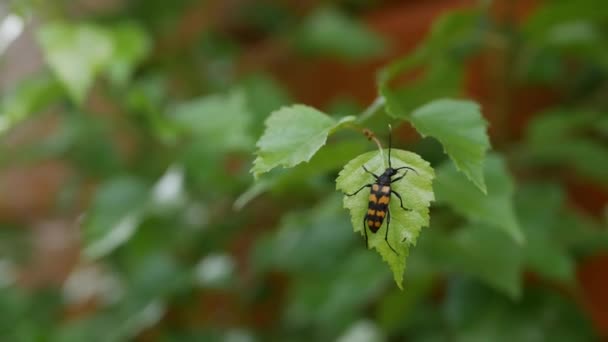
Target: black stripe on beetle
380,197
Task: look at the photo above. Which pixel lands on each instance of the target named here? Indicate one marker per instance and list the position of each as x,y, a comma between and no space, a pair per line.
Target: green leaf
397,308
452,37
442,78
495,208
114,215
302,234
462,131
557,13
453,31
221,121
474,249
76,54
131,45
485,253
416,191
264,95
330,32
540,208
329,159
475,313
331,300
457,124
564,138
27,98
292,136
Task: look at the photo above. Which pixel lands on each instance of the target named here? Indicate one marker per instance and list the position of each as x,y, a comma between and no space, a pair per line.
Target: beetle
380,197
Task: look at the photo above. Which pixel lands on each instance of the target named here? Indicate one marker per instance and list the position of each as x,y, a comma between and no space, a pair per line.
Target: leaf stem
364,116
371,136
372,109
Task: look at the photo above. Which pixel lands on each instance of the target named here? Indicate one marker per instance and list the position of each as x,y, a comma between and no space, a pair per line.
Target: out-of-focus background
127,210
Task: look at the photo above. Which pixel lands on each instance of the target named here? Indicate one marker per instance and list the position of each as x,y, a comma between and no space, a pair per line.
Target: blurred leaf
147,96
567,29
15,246
485,254
539,66
540,208
131,45
416,191
473,313
495,208
454,31
462,131
82,139
344,105
556,13
28,315
264,95
27,98
566,138
362,331
440,78
293,135
151,275
204,161
397,307
453,36
220,121
77,53
476,250
559,123
581,234
114,215
114,324
588,157
256,189
215,271
15,303
302,234
327,31
332,300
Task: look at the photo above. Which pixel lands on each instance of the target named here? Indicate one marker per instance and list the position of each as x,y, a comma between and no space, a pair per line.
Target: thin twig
372,109
372,137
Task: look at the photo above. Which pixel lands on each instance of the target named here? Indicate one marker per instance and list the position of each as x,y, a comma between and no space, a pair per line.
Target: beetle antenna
389,145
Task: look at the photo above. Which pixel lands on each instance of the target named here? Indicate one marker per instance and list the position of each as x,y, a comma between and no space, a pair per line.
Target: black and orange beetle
380,197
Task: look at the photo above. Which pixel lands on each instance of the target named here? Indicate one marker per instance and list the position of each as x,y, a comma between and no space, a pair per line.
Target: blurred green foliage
178,243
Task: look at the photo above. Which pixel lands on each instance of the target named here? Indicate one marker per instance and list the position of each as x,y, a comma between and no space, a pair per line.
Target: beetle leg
397,179
400,200
368,171
388,222
363,187
365,230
